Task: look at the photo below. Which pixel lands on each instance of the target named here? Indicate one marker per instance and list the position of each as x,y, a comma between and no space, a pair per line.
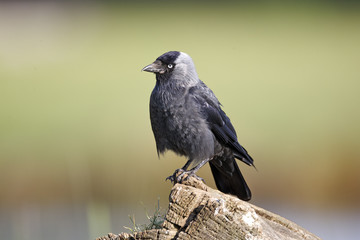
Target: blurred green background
77,154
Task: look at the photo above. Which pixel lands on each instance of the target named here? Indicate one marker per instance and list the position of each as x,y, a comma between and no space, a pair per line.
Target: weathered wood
197,211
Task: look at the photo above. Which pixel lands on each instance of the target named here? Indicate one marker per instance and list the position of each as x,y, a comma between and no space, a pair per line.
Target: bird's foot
187,174
181,175
173,178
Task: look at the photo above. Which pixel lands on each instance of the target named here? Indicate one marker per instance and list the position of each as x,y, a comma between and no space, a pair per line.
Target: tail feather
231,182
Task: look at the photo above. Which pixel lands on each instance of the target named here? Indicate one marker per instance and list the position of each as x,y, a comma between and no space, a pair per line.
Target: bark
197,211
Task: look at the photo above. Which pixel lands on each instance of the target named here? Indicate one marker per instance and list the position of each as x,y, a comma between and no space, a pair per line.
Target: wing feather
222,128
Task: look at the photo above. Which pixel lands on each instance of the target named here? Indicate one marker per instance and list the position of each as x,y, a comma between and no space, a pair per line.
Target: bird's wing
156,118
221,126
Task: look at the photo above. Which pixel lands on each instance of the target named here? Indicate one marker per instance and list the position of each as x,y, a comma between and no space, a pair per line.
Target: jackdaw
186,117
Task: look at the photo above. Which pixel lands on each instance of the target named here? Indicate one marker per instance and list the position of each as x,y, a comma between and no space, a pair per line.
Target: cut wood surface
197,211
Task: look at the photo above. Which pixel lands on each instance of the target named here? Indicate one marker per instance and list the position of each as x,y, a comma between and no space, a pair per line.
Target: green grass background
74,118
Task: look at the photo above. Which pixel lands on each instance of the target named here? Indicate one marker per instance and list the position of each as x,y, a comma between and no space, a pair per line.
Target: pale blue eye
170,66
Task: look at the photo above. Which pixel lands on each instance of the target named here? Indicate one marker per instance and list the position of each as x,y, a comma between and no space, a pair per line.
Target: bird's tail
229,179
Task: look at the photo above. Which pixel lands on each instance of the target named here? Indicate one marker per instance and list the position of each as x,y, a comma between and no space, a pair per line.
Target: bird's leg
187,164
183,169
191,172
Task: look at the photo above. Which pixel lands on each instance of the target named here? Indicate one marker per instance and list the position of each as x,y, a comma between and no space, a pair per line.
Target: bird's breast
178,121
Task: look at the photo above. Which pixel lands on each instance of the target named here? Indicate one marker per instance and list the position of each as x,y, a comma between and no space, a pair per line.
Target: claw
180,176
173,177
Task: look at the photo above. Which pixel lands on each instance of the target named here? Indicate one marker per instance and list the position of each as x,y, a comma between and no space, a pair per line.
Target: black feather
230,182
169,57
223,130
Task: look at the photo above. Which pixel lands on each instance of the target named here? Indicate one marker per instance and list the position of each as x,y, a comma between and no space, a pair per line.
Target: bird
187,118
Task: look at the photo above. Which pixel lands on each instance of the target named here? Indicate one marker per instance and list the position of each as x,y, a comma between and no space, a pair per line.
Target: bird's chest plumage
172,113
177,124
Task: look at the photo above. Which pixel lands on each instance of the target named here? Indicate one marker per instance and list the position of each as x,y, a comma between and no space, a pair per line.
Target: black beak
155,67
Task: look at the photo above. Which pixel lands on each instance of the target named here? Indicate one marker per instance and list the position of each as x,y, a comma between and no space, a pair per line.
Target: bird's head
174,64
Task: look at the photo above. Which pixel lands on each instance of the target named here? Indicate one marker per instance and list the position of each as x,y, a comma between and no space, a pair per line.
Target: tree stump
197,211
